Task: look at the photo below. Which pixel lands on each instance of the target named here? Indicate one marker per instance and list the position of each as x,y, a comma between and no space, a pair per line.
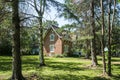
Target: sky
53,15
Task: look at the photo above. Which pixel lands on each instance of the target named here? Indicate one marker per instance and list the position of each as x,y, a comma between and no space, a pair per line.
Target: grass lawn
58,69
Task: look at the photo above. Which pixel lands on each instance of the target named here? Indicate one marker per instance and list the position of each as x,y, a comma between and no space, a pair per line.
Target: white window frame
52,37
52,46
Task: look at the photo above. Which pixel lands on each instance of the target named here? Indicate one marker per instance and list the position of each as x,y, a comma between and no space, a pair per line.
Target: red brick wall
57,42
58,46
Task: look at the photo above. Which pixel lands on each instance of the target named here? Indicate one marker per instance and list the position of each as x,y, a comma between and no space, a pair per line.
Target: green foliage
5,31
116,39
69,11
29,40
58,55
26,40
49,23
66,54
5,48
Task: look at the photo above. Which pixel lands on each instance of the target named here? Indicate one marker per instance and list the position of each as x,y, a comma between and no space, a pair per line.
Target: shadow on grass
116,77
67,77
117,66
32,63
5,64
66,66
69,66
116,59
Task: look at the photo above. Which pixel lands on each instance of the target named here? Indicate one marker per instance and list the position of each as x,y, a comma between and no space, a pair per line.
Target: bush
65,55
26,52
74,55
5,49
58,55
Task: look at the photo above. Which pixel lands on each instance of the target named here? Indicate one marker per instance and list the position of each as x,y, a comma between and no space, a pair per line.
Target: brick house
56,42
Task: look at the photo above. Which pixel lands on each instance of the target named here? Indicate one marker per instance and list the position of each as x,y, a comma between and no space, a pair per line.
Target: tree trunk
93,44
109,39
16,67
110,35
112,24
41,55
113,16
88,52
40,13
102,42
87,55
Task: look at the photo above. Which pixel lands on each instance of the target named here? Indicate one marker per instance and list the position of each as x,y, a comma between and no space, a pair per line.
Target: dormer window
52,37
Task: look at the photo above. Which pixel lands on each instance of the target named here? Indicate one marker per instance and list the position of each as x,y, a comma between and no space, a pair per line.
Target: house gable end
50,30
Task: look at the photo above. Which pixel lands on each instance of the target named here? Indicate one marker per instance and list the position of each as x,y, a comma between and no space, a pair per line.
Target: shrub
65,55
58,55
5,49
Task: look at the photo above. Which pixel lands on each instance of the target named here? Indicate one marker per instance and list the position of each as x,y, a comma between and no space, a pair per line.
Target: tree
26,39
93,45
40,11
109,38
16,67
5,29
40,6
79,11
102,42
1,11
110,27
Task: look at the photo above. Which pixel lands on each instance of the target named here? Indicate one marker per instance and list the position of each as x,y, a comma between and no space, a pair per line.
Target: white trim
52,48
56,32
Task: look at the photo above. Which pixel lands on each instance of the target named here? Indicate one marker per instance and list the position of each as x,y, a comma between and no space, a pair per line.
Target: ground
59,69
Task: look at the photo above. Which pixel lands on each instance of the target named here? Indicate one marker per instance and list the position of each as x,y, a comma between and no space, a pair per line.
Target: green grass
59,69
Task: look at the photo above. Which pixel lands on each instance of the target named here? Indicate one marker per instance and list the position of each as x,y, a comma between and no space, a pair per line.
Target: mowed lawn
58,69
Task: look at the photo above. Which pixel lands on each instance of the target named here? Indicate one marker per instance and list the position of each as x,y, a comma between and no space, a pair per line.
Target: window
52,37
66,47
51,48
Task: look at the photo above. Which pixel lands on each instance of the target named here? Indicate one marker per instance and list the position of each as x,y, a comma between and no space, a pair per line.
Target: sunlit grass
58,68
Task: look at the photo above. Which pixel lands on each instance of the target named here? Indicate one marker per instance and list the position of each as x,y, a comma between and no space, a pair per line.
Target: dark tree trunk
88,52
41,54
16,67
93,44
102,42
109,39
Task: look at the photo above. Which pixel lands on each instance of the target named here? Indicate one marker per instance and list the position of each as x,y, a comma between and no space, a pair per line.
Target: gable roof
55,29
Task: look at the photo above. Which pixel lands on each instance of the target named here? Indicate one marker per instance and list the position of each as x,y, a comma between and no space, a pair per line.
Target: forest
93,32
